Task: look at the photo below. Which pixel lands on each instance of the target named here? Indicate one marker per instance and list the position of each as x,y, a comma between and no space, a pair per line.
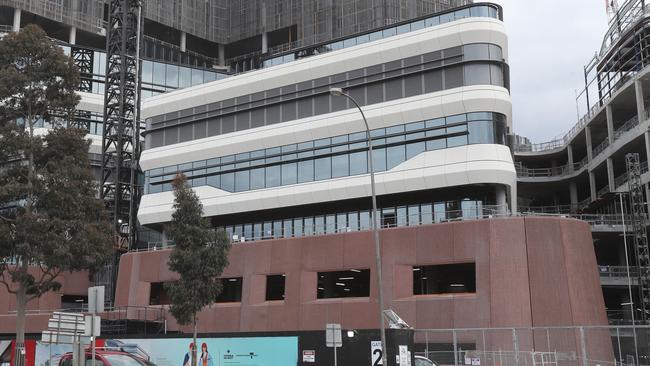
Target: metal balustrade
617,271
487,212
600,148
558,171
627,126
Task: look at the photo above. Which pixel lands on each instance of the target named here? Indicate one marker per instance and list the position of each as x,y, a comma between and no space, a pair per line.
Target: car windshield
423,362
122,360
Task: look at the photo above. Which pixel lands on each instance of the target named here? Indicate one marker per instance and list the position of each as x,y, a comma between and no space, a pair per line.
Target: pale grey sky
549,42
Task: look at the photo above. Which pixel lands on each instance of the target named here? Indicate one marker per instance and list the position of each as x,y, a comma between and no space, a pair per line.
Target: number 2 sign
376,353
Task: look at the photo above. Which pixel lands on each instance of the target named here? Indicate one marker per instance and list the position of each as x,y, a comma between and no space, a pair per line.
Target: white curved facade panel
422,107
470,30
463,165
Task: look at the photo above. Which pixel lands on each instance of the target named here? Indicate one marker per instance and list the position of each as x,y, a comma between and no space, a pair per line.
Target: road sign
376,353
92,328
308,356
333,335
96,299
65,338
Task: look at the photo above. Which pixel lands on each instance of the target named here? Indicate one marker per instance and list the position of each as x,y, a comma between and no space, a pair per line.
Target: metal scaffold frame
639,231
121,147
84,59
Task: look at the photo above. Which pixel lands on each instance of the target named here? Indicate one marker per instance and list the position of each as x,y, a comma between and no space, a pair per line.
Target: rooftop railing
558,171
489,212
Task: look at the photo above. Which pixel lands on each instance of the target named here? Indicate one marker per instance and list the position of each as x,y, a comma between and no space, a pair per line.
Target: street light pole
338,92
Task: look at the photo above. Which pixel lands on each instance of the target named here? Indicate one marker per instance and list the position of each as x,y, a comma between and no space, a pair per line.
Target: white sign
468,360
333,335
93,328
476,361
403,355
376,353
308,356
96,299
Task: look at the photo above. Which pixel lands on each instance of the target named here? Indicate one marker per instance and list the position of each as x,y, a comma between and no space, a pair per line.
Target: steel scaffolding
639,232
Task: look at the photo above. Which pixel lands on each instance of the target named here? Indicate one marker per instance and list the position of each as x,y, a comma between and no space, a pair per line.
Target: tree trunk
21,305
196,346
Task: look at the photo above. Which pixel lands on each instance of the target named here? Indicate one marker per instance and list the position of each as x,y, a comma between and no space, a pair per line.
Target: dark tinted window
231,290
339,284
444,279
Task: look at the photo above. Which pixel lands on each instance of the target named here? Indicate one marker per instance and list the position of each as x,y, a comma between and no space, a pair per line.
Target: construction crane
120,181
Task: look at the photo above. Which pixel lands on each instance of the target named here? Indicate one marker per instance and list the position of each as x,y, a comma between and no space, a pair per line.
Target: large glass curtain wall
335,157
157,77
359,220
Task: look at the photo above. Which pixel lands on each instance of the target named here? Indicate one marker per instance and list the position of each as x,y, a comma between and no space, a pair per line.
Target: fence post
426,343
583,346
455,348
618,340
515,346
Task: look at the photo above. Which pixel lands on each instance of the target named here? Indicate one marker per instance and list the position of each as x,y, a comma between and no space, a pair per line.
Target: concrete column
265,43
17,14
646,135
589,146
640,102
222,55
72,39
592,185
647,194
183,41
569,153
610,174
610,123
573,193
501,199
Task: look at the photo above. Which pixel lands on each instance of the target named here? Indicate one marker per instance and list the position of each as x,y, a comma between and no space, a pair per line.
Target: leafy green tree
50,219
199,256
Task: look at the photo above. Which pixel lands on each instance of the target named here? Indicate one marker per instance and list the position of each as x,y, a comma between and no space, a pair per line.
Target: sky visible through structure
550,41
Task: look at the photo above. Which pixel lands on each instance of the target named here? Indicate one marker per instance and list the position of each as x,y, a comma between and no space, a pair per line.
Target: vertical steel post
515,345
453,332
583,347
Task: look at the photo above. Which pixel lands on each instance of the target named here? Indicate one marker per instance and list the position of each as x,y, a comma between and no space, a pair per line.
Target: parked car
423,361
110,356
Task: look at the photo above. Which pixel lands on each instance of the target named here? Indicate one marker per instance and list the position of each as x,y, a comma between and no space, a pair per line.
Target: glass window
417,25
396,155
430,22
289,174
147,72
444,279
248,232
364,220
404,28
456,141
402,217
414,149
184,77
414,215
308,226
319,225
231,290
462,13
305,171
471,209
481,132
496,53
439,212
496,75
323,168
388,32
330,224
159,73
379,160
242,181
479,11
353,221
476,51
297,227
342,222
342,284
388,217
172,76
197,77
426,214
228,182
363,38
275,285
375,36
277,229
340,166
273,176
267,230
349,42
214,181
446,18
476,74
258,233
287,228
359,163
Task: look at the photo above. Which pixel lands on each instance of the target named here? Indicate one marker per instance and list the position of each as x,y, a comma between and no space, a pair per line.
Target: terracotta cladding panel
547,260
509,286
549,292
